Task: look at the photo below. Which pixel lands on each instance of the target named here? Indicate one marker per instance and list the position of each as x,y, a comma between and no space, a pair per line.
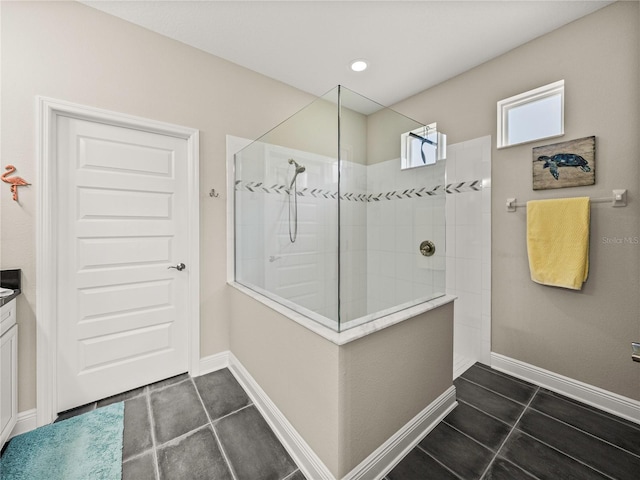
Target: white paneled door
122,226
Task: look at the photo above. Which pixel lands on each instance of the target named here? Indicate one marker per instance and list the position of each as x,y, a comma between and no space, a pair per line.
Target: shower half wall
326,222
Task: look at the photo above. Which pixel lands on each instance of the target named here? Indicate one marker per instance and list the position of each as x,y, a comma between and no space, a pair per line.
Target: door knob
179,267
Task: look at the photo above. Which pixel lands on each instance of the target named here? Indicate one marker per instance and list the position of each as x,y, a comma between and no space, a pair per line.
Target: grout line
232,413
500,374
224,454
139,454
469,437
234,476
568,456
609,417
179,438
290,476
439,462
498,393
573,427
499,449
459,400
515,465
176,440
204,407
152,426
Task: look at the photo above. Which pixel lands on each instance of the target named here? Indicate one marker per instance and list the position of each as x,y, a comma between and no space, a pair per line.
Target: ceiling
410,45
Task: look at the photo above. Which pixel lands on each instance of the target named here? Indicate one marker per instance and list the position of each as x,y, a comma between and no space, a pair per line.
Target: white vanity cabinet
8,370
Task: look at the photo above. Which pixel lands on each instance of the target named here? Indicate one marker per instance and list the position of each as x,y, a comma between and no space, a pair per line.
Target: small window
422,146
532,115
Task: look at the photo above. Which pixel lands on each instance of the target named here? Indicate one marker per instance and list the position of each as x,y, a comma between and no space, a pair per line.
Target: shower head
299,168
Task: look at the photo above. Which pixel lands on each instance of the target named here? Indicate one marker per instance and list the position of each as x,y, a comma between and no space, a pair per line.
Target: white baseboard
214,362
25,422
389,454
613,403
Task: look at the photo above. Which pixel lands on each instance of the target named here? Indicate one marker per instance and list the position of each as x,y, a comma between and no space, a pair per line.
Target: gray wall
315,129
389,377
583,335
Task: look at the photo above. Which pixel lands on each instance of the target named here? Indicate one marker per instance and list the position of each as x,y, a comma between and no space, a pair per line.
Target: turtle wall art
566,164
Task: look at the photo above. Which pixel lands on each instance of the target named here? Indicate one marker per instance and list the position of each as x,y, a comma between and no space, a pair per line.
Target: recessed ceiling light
359,65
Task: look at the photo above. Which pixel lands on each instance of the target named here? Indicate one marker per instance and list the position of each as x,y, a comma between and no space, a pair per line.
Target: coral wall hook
14,181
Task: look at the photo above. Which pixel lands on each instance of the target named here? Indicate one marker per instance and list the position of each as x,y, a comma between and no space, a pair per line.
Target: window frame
532,96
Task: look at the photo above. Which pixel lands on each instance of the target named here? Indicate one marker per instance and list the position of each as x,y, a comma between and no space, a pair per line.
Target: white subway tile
468,275
404,241
451,274
469,241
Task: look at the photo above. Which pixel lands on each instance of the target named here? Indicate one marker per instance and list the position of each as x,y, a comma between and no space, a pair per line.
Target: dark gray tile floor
502,429
197,429
507,429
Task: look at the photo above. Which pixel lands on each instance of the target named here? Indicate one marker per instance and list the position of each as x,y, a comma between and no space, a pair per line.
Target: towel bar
618,198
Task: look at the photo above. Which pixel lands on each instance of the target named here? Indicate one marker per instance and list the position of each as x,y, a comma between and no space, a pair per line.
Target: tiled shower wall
468,257
404,215
397,273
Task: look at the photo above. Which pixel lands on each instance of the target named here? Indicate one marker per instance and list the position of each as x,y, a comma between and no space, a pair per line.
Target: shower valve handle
179,267
427,248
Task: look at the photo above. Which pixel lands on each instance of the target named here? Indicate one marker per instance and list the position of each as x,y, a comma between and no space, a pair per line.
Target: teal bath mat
86,447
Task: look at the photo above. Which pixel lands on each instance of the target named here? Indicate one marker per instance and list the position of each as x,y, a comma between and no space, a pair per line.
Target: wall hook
213,193
14,181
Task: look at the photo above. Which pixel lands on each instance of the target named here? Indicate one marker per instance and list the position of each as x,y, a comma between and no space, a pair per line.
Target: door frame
47,215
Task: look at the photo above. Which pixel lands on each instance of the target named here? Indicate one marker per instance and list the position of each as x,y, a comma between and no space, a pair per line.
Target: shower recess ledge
353,333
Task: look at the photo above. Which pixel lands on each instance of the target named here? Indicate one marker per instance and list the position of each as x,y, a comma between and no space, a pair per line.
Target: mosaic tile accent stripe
472,186
458,187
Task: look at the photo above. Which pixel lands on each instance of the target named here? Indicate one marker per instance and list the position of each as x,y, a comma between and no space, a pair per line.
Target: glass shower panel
286,211
327,223
385,215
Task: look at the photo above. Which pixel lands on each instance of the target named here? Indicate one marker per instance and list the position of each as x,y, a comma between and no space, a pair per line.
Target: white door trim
48,110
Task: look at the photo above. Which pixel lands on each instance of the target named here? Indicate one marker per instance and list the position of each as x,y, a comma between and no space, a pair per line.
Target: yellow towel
558,241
